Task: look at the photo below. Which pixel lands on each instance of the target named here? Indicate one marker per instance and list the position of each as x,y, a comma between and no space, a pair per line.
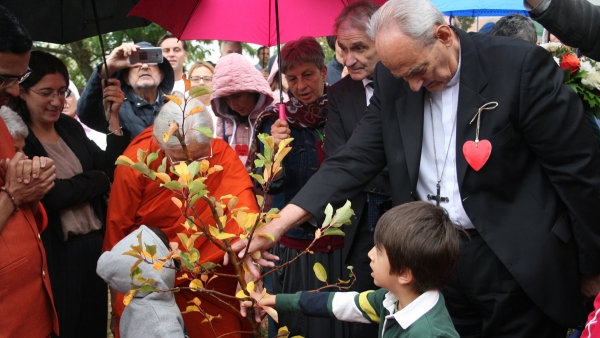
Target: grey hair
357,15
414,18
172,112
14,123
515,26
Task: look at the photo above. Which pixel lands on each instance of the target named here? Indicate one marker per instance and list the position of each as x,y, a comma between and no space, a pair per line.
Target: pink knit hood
235,74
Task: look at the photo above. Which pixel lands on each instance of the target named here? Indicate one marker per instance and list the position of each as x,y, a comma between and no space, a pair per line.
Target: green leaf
196,197
196,91
204,131
163,167
173,185
196,186
193,168
259,163
136,273
151,174
320,272
186,261
183,238
148,288
141,167
151,249
151,158
334,232
209,265
121,162
342,215
328,214
258,178
141,154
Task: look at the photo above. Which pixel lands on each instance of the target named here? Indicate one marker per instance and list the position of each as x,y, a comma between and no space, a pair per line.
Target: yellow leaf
267,235
174,99
283,332
188,83
272,312
250,287
225,235
191,308
163,177
184,276
196,110
241,295
158,265
318,233
177,202
215,169
256,254
273,216
172,128
129,296
196,301
223,220
196,284
320,272
210,318
124,160
204,164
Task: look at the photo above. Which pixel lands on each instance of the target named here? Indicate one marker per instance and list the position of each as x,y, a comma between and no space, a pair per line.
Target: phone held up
147,55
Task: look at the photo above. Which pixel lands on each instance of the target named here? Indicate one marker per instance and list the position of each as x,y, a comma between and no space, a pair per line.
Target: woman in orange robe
136,200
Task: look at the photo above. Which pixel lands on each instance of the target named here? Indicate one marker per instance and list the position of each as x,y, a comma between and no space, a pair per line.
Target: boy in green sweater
416,248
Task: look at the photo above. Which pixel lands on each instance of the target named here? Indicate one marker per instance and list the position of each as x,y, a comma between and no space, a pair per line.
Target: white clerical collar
413,311
456,78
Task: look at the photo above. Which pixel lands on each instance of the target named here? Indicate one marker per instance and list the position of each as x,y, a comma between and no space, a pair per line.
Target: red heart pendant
477,154
241,149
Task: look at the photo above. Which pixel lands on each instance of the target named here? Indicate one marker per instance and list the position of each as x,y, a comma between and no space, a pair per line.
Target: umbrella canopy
480,7
64,21
243,20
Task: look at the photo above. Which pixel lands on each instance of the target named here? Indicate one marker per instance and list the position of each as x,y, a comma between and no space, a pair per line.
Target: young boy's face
380,265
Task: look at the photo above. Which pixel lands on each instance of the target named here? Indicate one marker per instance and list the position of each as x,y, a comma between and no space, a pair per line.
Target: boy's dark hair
421,237
169,35
14,38
165,240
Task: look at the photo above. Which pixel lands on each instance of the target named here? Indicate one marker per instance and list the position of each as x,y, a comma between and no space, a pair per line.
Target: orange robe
27,306
136,200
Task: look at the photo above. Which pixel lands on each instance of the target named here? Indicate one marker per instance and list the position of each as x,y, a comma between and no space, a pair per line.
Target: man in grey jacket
575,22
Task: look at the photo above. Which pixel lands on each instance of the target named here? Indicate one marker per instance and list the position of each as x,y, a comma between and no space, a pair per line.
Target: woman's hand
280,131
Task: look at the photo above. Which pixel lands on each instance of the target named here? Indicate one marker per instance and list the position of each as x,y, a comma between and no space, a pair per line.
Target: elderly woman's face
46,98
197,151
70,105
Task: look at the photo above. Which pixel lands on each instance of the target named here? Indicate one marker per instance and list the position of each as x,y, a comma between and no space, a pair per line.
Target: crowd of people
443,243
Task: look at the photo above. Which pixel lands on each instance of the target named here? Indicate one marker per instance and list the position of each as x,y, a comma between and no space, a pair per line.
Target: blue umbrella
480,7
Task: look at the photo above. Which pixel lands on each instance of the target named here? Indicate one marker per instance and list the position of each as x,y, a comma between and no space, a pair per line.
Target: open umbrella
64,21
454,8
264,22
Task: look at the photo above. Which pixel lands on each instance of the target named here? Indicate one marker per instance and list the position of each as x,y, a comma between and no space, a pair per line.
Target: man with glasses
136,200
24,284
144,85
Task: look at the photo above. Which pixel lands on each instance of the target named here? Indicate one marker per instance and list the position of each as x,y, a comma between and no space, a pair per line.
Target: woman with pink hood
240,94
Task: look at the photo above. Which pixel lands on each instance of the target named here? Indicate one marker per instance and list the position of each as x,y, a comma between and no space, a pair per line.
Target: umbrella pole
100,38
282,115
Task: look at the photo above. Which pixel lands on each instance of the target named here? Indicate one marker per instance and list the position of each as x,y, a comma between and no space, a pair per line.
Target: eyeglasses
10,80
203,78
147,64
177,162
49,94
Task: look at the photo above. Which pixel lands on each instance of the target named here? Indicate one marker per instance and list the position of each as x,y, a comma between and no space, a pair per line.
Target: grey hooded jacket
149,314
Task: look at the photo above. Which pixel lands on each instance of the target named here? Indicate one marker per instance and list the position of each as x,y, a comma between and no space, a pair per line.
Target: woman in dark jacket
76,205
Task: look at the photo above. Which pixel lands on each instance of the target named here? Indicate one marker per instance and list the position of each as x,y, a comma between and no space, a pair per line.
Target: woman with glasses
201,74
76,205
240,94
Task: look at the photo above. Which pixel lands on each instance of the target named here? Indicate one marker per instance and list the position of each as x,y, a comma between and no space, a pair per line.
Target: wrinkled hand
257,295
590,286
37,185
280,131
119,57
112,99
252,263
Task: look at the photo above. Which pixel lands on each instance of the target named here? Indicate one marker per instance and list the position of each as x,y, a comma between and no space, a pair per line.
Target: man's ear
444,34
405,276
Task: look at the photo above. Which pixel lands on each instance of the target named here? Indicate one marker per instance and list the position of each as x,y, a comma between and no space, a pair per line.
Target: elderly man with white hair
483,127
136,200
16,127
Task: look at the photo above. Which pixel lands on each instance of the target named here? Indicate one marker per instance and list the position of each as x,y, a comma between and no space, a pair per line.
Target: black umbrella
64,21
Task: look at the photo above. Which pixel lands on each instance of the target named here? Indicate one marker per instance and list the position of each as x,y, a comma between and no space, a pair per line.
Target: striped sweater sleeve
345,306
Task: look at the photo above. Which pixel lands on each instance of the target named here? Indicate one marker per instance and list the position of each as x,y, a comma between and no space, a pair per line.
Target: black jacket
535,202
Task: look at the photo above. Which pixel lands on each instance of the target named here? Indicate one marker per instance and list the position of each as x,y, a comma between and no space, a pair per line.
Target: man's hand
590,286
112,99
280,131
35,189
119,58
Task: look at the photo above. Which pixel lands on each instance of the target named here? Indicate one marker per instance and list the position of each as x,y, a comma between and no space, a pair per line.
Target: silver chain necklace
437,197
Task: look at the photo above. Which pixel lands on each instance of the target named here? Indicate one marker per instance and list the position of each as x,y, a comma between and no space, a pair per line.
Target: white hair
14,123
172,112
414,18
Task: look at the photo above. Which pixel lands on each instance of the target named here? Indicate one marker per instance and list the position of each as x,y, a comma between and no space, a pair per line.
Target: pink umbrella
243,20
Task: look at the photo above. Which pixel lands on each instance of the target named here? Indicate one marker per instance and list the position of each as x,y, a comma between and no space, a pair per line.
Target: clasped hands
28,180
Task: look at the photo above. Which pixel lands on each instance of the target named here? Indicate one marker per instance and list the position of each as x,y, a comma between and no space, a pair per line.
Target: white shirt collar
413,311
368,89
456,78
